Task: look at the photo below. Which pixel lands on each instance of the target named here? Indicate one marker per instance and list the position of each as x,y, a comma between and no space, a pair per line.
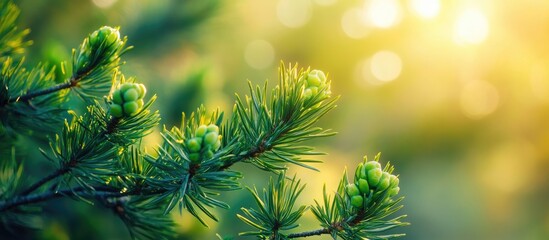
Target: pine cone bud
205,142
201,131
357,201
372,165
374,176
128,98
211,138
102,46
194,144
352,190
393,191
315,81
363,186
384,182
116,110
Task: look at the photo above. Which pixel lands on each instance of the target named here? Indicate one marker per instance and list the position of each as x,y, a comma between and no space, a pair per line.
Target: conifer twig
309,233
97,192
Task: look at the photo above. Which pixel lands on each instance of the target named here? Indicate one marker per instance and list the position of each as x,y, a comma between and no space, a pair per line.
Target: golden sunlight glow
479,99
294,13
325,2
383,67
539,81
426,8
471,27
352,24
104,3
383,13
259,54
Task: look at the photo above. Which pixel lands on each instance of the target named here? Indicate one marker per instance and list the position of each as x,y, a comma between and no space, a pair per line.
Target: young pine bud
315,82
352,190
101,47
129,99
201,131
394,181
194,144
116,110
357,201
131,95
213,128
130,108
363,186
384,182
211,138
117,97
372,165
374,176
393,191
316,78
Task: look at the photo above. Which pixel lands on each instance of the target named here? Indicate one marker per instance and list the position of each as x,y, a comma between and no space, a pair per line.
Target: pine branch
73,82
97,193
309,233
56,174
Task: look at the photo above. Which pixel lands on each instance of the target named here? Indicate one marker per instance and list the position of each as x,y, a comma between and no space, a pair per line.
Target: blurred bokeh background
454,93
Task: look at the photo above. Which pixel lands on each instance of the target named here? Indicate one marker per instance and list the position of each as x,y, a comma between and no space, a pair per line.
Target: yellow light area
352,24
385,66
325,2
471,27
104,3
479,99
259,54
294,13
426,8
539,81
383,13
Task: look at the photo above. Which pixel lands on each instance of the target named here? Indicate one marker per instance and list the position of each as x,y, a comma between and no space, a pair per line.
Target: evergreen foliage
98,158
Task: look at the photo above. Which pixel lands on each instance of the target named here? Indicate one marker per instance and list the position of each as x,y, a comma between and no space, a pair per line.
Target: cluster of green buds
102,46
371,180
127,99
315,82
205,142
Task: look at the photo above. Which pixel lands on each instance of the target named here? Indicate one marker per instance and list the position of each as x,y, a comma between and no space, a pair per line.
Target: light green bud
130,108
116,110
201,131
124,87
211,138
213,128
393,191
316,78
363,186
194,145
131,95
352,189
374,176
394,180
372,165
357,201
117,97
384,182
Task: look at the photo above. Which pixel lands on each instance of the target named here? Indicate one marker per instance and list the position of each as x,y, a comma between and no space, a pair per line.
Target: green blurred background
454,93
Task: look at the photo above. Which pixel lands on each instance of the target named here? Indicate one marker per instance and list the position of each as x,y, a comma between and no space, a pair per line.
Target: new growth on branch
98,157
